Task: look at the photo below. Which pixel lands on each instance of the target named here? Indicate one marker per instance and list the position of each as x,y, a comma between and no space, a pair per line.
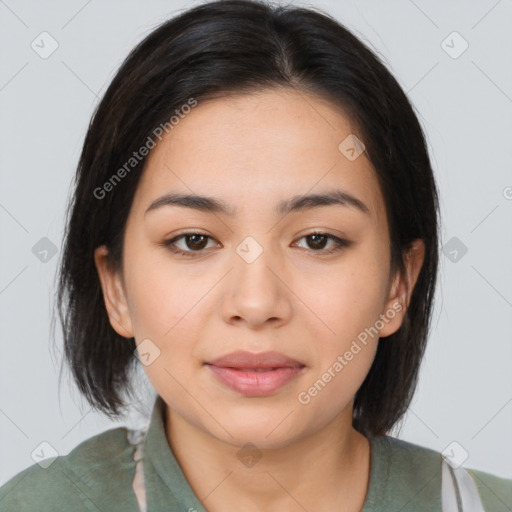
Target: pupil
315,240
195,238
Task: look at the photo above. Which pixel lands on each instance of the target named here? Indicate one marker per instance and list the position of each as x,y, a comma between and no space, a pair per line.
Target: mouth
255,374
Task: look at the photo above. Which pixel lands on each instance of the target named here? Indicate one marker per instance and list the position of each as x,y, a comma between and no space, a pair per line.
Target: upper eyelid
190,233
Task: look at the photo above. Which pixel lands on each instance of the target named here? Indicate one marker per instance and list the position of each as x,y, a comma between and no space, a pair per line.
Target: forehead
254,150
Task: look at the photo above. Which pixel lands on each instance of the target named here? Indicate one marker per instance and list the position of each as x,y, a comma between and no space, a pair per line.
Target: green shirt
97,476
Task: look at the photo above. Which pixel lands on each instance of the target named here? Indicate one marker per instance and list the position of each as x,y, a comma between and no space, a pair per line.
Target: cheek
166,308
349,303
333,389
163,300
348,299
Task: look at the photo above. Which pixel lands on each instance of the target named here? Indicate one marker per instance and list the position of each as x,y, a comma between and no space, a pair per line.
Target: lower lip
252,383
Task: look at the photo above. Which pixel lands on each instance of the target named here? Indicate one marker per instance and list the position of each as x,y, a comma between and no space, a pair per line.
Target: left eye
320,239
198,241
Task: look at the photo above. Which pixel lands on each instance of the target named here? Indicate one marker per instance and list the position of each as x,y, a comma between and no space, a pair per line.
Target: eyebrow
294,204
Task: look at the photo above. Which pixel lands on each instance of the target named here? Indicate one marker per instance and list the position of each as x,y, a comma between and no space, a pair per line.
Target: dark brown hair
243,46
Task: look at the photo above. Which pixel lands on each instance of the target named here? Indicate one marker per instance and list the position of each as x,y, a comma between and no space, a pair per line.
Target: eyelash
340,243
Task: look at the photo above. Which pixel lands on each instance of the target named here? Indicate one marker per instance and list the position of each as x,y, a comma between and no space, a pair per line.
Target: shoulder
407,458
496,492
412,464
87,478
406,473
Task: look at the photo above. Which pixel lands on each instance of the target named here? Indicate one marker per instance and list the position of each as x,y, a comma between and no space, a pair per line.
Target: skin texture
253,151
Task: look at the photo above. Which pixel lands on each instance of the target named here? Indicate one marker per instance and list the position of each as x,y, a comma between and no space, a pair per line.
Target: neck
323,469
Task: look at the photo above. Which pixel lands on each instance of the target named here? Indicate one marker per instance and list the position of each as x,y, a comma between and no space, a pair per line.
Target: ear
113,294
402,288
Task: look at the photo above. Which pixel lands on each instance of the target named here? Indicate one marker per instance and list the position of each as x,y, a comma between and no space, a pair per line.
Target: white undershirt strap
136,438
458,490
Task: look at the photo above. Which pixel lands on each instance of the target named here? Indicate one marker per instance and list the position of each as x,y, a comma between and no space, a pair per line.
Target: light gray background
465,106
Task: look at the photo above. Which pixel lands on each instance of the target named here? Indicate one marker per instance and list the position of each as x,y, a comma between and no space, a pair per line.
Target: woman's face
255,278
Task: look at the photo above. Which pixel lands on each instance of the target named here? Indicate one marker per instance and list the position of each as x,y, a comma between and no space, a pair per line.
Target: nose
256,291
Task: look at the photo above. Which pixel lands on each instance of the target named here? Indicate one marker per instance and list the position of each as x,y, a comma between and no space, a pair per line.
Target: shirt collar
158,455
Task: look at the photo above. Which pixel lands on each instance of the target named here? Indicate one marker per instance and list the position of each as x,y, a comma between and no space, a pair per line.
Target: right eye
194,240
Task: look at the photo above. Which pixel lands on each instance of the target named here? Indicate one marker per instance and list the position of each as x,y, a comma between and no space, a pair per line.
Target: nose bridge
254,256
250,249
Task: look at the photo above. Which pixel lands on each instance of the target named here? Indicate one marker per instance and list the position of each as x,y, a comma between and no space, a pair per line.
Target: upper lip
243,359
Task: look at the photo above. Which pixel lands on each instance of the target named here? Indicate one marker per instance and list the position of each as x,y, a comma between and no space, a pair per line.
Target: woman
255,222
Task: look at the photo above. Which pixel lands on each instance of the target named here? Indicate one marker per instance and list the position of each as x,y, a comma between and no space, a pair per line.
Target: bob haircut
237,47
